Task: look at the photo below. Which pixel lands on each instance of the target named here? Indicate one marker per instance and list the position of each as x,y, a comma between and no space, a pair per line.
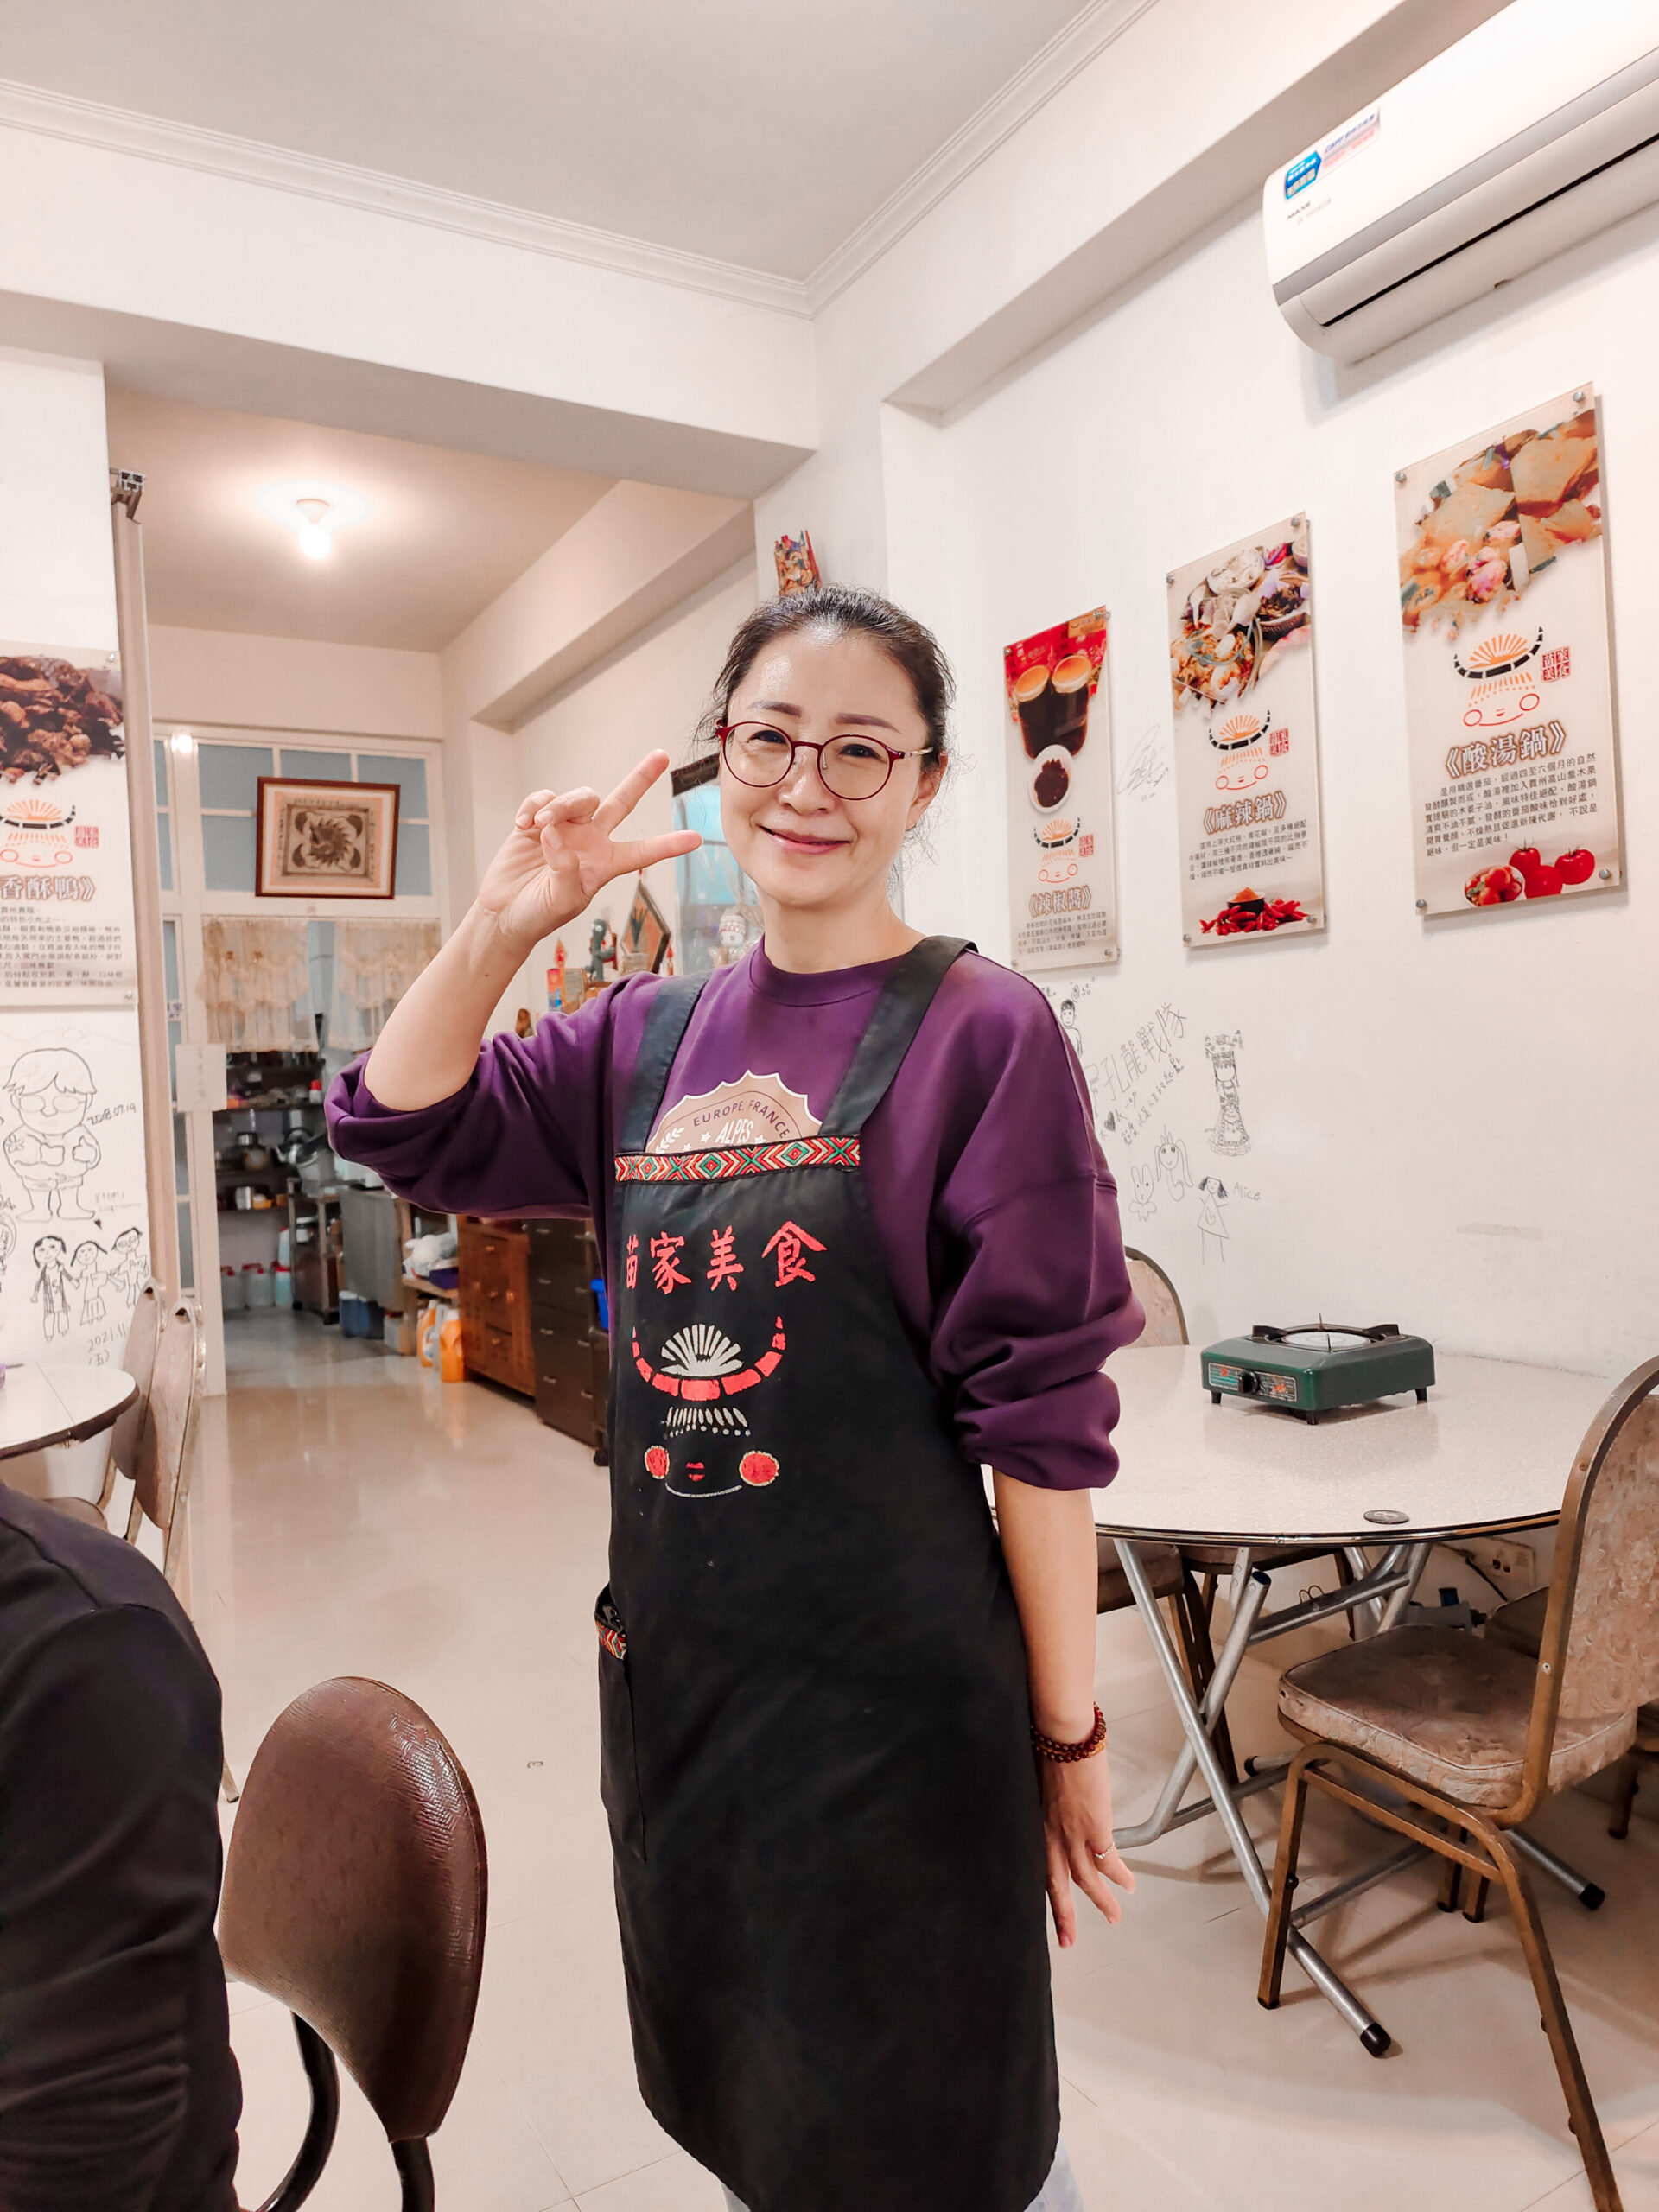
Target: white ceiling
444,533
759,132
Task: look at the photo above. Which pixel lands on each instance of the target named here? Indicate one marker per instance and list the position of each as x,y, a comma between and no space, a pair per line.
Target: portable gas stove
1318,1366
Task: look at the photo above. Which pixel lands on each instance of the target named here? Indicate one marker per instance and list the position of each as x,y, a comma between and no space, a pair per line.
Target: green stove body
1315,1369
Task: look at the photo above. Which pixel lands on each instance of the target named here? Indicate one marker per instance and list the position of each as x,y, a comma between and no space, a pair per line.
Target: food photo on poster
1509,693
1247,764
66,854
1061,881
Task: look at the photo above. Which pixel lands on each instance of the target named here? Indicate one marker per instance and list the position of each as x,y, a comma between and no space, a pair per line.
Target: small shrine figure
556,976
601,953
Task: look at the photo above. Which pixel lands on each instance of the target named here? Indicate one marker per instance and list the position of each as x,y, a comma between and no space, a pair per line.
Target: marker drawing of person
1172,1163
51,1291
51,1154
1213,1231
86,1272
1229,1133
128,1264
8,1238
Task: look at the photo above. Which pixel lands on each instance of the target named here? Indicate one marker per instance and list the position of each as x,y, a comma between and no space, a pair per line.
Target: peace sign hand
560,853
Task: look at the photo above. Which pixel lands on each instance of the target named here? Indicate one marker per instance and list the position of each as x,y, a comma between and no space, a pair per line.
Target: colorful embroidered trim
715,1166
613,1639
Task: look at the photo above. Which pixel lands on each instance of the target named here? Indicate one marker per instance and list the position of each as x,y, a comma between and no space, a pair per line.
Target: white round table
51,1404
1490,1448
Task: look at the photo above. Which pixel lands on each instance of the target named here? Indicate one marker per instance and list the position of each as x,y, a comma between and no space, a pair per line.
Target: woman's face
796,840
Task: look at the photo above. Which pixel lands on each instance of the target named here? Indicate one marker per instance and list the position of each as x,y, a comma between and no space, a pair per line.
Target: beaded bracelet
1047,1747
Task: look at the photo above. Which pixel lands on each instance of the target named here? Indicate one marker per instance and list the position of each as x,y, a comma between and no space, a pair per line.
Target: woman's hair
843,610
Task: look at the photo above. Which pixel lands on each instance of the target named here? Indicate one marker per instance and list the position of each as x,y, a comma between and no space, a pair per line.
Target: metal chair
1465,1736
355,1891
138,1360
1521,1625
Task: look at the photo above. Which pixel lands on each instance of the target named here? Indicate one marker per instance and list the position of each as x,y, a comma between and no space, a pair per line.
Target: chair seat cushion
1163,1565
1521,1623
1445,1708
78,1508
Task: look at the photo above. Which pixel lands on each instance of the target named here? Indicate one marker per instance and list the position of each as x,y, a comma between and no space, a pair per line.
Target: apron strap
665,1026
899,1011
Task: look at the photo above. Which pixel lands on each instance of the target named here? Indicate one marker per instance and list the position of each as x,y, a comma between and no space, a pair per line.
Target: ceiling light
314,511
314,530
181,741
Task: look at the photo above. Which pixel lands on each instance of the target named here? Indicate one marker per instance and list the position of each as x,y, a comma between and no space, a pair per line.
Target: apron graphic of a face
1503,679
705,1376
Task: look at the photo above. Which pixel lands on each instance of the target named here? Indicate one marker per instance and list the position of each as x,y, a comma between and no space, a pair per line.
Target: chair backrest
165,1436
1165,1323
1598,1654
139,1361
355,1891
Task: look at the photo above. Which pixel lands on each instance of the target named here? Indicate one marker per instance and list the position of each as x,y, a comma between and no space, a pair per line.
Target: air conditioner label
1301,174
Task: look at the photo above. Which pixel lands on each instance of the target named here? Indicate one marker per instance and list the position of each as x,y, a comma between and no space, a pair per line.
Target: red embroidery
633,1263
722,1250
615,1640
758,1467
657,1462
789,1241
663,1250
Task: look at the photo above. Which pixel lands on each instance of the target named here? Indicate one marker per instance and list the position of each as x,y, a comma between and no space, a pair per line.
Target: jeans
1059,2193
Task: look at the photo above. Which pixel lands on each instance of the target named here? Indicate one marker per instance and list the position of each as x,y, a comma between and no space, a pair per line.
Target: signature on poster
1147,768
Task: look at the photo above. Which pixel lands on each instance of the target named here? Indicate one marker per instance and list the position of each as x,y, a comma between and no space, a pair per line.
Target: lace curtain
375,962
256,981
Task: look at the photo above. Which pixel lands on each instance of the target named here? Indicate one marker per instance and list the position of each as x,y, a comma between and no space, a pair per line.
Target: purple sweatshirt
996,1213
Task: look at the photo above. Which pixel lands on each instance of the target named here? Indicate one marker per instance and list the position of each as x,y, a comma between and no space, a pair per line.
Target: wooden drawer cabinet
572,1356
493,1293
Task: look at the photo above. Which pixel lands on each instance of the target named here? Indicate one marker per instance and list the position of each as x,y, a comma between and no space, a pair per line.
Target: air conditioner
1535,131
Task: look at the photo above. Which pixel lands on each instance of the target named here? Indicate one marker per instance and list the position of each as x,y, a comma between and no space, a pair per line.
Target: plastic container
282,1283
451,1365
359,1317
426,1334
285,1256
233,1296
257,1288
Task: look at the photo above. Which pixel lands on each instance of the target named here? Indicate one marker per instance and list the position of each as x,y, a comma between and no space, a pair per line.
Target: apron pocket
618,1774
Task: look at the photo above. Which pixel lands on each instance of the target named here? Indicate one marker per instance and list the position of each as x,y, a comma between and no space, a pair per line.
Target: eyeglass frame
724,730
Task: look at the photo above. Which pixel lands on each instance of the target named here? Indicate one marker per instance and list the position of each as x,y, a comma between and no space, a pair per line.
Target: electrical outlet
1515,1564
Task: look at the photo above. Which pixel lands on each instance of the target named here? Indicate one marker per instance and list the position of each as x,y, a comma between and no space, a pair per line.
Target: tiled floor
354,1514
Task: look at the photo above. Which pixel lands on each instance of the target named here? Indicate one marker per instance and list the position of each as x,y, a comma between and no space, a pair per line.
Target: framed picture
326,841
645,934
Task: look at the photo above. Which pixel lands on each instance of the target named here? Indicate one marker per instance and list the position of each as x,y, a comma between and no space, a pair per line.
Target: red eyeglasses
854,766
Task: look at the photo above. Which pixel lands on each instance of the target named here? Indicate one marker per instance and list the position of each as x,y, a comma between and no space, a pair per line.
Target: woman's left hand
1078,1832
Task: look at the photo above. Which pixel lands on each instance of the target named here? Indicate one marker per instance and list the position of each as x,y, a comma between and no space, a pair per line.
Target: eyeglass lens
852,768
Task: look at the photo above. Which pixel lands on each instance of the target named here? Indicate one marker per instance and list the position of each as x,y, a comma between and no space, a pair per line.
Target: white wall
650,694
1451,1122
236,681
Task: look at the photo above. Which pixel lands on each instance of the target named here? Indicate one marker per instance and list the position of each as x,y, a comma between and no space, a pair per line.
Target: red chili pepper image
1250,914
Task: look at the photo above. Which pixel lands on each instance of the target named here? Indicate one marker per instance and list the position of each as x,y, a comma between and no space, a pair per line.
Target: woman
861,1240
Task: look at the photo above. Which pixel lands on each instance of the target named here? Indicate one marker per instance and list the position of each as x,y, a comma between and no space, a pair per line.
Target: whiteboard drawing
1213,1231
1142,1204
128,1264
52,1285
86,1272
1230,1135
1172,1170
51,1152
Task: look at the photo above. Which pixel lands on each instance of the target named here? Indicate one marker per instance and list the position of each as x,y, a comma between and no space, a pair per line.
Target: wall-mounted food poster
1062,888
65,851
1509,695
1247,757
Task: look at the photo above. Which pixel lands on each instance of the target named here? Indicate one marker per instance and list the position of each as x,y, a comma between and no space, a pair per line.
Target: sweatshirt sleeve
109,1867
1031,1293
527,1134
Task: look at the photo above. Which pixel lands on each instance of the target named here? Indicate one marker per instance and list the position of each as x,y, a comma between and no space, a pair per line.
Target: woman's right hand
560,853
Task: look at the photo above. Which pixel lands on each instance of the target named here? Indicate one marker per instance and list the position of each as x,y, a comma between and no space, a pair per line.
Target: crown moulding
249,161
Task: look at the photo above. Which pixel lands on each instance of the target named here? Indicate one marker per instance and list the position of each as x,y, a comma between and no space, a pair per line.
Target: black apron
817,1763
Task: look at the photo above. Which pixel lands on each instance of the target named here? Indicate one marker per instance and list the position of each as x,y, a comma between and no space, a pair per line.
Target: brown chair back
355,1892
1599,1654
165,1436
1165,1323
138,1360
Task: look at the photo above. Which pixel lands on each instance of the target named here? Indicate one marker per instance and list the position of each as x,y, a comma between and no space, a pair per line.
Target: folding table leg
1372,2034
